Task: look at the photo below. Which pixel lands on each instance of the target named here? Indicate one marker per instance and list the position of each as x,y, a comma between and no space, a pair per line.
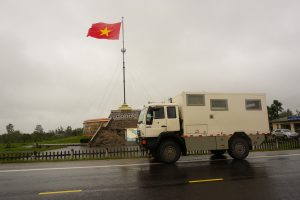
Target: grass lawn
66,140
23,147
18,147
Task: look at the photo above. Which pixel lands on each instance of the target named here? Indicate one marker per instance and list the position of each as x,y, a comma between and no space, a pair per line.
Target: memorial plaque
125,115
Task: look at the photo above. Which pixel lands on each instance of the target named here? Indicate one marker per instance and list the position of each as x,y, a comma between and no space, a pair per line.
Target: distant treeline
38,135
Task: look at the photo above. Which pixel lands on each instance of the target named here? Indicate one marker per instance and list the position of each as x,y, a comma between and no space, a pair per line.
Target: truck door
156,122
172,118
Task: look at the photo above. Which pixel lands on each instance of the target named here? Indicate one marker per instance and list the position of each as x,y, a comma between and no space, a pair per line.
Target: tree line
276,111
38,135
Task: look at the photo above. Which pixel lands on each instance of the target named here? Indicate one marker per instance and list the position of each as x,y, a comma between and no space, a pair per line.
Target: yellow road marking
207,180
60,192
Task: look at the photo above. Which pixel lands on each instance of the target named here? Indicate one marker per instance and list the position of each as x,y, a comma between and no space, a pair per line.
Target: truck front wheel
238,148
169,151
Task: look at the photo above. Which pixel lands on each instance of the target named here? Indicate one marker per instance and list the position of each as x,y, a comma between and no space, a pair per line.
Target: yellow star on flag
105,32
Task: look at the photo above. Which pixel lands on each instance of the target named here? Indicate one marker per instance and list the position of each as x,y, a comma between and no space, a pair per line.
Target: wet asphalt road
265,175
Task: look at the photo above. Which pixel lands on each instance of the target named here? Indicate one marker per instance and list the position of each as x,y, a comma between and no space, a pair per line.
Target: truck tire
218,152
238,148
169,151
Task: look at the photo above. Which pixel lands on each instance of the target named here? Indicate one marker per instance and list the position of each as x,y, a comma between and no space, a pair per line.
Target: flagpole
123,50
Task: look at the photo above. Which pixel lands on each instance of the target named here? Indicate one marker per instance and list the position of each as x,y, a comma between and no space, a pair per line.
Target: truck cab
160,132
158,118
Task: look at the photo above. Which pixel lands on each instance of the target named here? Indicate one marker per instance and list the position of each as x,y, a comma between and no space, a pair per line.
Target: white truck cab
203,121
158,118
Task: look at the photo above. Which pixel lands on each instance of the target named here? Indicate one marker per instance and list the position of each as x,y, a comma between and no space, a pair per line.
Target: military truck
190,121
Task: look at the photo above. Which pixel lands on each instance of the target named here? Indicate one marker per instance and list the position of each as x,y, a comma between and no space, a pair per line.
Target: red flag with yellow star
105,31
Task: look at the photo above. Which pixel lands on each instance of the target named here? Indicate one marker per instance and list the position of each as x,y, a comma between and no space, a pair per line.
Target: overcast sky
52,74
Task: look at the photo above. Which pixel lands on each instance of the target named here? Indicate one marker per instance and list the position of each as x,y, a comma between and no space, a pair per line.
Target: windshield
142,115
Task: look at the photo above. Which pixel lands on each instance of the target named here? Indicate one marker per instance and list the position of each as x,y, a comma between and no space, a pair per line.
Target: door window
158,113
171,112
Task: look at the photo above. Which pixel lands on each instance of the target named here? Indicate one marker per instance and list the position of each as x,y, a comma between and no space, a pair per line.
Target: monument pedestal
125,107
113,132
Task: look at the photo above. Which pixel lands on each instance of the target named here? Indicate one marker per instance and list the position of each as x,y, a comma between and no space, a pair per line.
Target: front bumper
147,143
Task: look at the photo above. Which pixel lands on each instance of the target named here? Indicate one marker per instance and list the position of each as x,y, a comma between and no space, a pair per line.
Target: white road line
131,165
271,156
83,167
250,157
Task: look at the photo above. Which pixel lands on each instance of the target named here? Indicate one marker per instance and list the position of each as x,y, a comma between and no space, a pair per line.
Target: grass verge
25,147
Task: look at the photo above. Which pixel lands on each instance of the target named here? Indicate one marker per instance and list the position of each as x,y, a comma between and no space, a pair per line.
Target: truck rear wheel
238,148
169,152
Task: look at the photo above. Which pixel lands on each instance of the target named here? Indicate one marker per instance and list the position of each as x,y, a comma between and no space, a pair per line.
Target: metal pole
123,50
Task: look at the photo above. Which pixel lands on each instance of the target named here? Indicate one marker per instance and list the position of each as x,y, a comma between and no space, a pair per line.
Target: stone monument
111,131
